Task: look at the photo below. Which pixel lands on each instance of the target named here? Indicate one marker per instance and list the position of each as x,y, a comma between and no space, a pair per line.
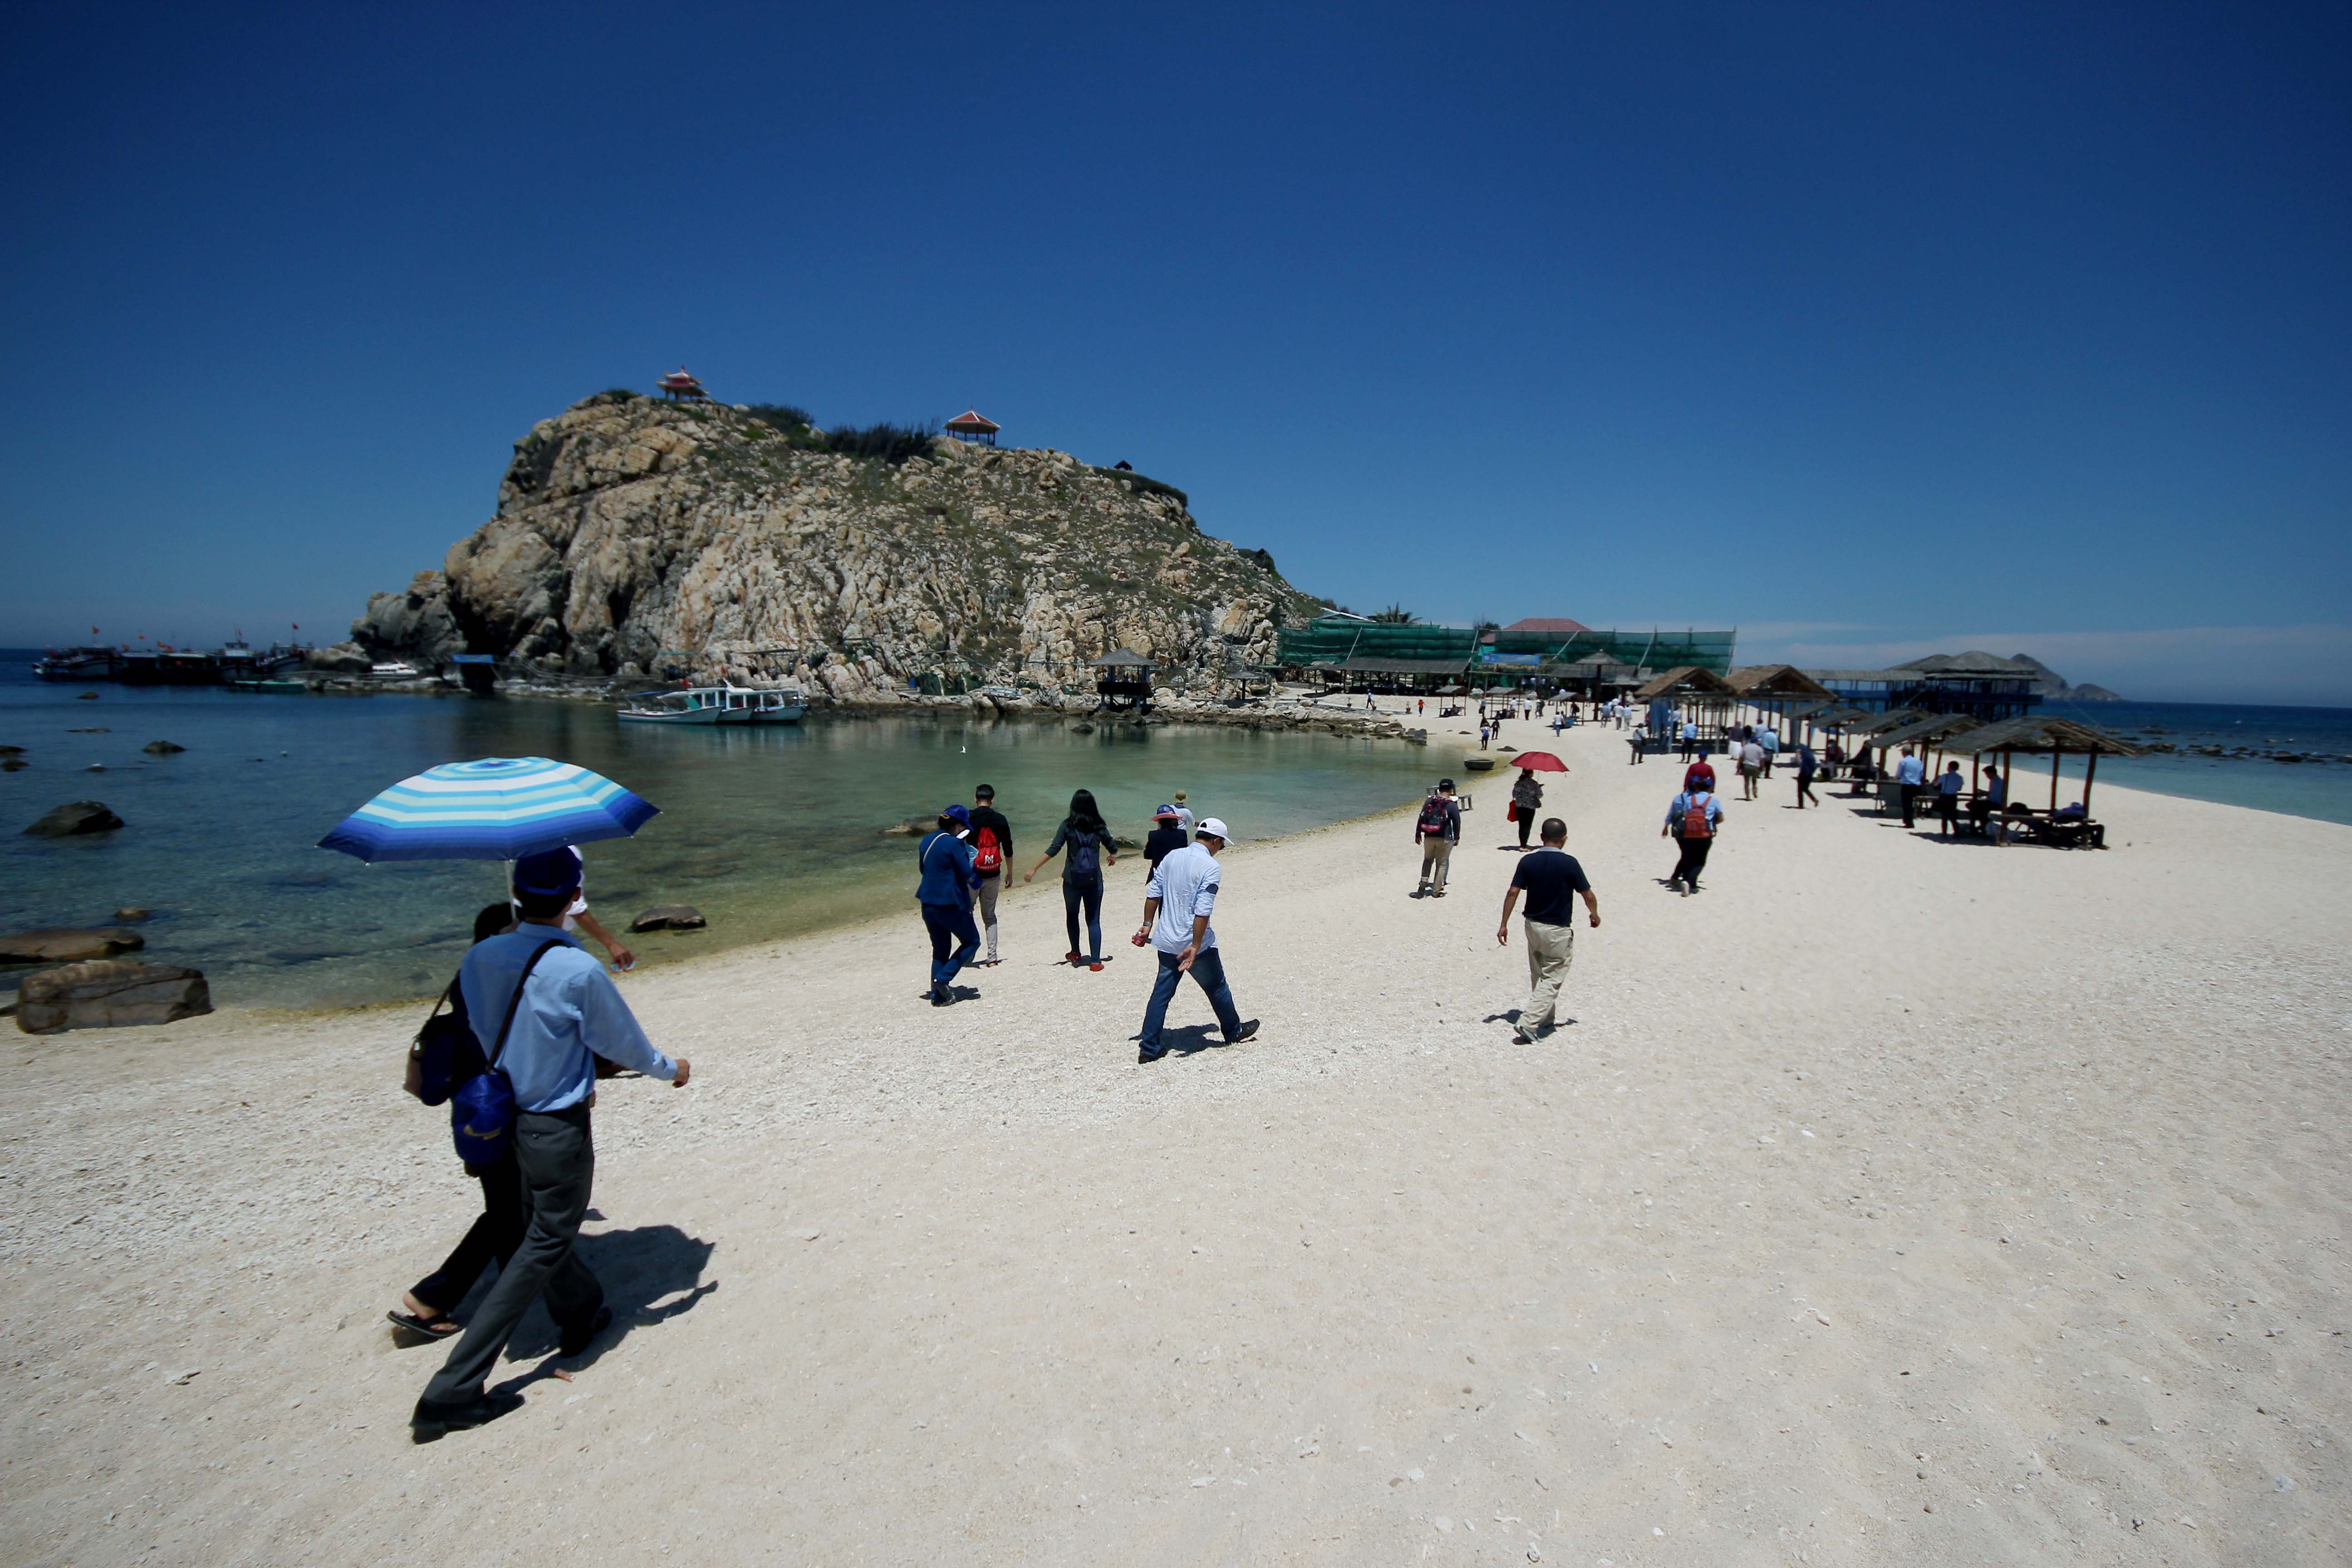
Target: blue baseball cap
548,873
958,814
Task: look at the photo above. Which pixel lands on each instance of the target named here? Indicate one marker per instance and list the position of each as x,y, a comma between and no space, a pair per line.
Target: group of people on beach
961,865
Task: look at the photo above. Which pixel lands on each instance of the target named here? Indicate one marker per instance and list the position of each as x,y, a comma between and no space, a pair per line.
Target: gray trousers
989,887
557,1159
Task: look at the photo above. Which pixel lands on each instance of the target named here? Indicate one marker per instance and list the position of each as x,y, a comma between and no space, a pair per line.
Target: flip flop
439,1328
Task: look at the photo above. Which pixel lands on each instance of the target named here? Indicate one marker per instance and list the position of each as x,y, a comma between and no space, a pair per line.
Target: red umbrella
1539,763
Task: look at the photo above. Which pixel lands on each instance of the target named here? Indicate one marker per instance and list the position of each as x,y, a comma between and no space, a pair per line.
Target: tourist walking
1167,834
1527,798
1694,820
1183,811
1769,739
1178,902
1437,830
1807,763
1947,801
1690,738
945,892
1091,848
1699,776
577,918
1552,879
991,852
1910,774
1751,766
425,1307
1990,805
556,1011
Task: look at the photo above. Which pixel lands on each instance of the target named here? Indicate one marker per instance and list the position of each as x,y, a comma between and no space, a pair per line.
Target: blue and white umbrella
501,808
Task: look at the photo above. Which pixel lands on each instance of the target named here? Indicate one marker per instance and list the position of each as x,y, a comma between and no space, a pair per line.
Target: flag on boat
499,808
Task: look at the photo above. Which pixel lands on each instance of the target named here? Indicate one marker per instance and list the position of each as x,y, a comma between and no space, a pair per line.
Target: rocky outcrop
109,994
76,818
67,946
636,537
669,917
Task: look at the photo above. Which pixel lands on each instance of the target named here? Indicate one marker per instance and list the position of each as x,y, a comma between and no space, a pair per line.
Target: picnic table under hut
2036,734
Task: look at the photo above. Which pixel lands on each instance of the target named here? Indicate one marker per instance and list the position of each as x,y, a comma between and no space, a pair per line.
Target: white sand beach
1891,1202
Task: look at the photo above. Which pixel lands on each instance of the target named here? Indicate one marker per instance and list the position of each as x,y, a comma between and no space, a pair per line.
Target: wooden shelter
1123,679
973,426
680,384
1684,680
2037,733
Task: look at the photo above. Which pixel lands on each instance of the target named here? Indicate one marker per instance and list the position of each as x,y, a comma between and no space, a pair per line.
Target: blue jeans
951,922
1208,969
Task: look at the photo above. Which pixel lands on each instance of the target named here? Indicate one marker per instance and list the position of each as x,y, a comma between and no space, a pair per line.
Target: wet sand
1890,1202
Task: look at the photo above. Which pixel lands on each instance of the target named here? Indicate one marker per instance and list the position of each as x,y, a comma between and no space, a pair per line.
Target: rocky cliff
635,538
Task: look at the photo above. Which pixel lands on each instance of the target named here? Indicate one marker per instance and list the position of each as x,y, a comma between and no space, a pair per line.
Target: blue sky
1866,329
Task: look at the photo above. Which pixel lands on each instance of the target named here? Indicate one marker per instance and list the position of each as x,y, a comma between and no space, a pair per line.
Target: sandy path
2029,1164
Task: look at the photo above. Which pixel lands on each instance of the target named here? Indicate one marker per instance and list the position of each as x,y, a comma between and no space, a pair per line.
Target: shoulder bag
482,1113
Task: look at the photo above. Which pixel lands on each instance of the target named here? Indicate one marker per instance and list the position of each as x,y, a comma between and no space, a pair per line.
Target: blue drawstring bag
482,1113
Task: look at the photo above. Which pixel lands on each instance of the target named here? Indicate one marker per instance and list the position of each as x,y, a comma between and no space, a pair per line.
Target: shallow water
769,831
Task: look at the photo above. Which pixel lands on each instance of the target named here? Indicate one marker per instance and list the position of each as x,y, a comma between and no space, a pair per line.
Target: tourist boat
692,705
394,670
762,705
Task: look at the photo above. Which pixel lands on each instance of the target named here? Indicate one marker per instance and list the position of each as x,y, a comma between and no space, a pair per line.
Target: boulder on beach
669,917
68,944
162,748
75,817
109,994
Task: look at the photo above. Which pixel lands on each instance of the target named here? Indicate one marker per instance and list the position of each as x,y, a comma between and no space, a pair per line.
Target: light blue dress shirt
1185,883
572,1013
1909,771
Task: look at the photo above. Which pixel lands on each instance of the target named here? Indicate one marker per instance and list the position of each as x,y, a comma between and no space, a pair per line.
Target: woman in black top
1090,849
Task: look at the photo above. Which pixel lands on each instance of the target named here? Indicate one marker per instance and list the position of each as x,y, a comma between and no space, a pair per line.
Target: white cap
1214,826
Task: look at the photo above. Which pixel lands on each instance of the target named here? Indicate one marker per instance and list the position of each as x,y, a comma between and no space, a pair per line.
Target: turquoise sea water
769,831
2319,786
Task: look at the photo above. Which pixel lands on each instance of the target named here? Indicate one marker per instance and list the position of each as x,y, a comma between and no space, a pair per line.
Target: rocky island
638,539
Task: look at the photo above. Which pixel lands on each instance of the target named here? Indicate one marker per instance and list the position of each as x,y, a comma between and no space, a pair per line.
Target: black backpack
1085,855
1433,817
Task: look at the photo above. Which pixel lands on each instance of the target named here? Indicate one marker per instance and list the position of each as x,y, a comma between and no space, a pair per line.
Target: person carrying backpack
1695,818
1437,830
1091,848
945,892
541,1011
992,851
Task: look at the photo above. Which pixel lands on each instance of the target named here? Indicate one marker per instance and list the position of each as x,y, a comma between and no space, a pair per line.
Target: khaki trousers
1549,949
1435,854
989,887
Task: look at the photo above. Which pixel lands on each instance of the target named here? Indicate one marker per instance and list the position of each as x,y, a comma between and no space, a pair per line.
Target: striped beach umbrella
499,808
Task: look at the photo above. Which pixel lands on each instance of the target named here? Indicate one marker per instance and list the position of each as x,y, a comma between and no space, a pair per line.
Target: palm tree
1395,616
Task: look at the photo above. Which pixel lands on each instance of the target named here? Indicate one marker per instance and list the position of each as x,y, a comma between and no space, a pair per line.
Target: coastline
1880,1147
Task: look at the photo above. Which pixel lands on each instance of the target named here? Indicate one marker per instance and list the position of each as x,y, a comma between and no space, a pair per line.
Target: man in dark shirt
1552,879
1168,836
992,881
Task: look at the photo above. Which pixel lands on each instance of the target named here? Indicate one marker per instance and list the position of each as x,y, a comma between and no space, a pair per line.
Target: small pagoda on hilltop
973,426
682,386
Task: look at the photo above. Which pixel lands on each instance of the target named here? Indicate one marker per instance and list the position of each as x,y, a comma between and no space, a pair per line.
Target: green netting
1329,640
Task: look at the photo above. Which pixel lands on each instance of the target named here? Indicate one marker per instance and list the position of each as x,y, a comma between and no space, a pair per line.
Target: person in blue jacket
945,892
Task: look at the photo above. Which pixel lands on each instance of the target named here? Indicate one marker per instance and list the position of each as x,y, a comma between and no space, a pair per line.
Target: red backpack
1695,822
985,855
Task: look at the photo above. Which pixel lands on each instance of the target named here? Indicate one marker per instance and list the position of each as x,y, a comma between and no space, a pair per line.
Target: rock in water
133,912
79,816
109,994
87,697
162,748
628,527
62,945
669,917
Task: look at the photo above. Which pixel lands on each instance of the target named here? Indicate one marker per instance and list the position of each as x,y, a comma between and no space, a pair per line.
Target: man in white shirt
1909,774
1177,904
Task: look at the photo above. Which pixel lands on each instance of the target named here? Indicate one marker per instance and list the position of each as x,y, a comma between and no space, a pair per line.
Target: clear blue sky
1868,330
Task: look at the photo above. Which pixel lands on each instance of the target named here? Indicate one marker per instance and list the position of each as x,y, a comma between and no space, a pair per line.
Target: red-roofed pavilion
679,383
973,426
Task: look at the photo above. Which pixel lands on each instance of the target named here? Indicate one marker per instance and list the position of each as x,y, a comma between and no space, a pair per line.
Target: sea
2317,785
770,831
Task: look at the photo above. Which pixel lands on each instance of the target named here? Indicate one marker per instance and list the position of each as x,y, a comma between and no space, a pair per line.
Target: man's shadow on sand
1192,1039
650,1274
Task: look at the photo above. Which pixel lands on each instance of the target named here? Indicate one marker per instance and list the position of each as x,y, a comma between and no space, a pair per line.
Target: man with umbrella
543,1010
